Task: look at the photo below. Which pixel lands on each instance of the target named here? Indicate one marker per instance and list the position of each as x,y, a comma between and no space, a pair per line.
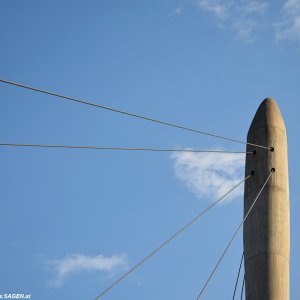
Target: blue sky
72,221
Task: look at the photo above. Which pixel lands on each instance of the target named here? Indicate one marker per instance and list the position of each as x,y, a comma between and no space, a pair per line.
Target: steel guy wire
168,240
129,113
238,276
233,237
242,288
121,148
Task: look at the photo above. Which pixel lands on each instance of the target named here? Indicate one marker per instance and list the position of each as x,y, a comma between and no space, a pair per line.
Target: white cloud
217,8
256,7
177,11
241,15
244,29
291,5
76,263
210,175
289,26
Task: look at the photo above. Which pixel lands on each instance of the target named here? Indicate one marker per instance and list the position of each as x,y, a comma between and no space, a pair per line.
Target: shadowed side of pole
267,229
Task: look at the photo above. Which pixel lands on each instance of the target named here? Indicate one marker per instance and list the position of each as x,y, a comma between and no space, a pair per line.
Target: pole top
267,115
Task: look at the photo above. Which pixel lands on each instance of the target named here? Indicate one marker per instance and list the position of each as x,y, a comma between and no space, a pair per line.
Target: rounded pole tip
268,105
267,114
269,101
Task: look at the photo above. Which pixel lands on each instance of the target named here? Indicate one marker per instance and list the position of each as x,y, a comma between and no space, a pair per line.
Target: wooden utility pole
267,229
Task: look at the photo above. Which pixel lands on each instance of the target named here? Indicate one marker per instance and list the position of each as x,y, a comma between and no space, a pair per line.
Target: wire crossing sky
233,237
123,149
181,230
242,291
238,277
129,114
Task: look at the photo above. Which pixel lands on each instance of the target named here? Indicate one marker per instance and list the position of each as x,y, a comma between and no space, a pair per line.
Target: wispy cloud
210,175
217,8
76,263
255,6
289,26
240,15
177,11
250,19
